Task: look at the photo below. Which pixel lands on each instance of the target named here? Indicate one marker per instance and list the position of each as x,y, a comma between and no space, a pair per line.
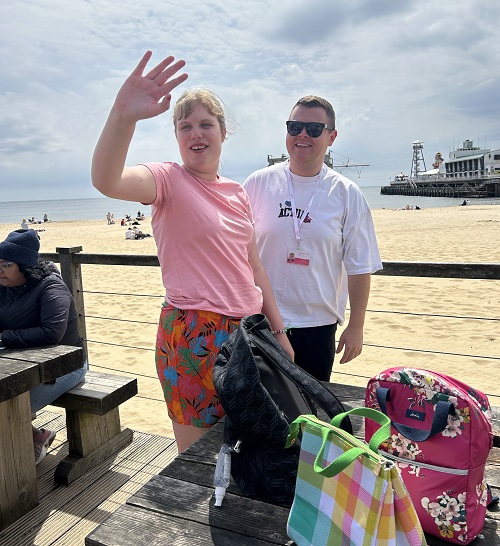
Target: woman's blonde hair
191,97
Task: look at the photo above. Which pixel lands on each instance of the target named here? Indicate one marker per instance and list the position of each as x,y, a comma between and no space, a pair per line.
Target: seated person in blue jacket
36,309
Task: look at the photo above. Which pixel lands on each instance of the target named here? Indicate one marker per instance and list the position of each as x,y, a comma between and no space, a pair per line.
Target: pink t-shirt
203,231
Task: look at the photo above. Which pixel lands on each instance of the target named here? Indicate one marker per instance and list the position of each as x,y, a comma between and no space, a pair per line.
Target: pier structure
470,172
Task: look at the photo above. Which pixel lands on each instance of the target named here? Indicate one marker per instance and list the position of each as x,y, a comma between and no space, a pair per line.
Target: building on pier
470,171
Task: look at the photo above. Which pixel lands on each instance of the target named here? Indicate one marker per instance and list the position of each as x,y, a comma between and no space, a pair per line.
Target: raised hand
143,97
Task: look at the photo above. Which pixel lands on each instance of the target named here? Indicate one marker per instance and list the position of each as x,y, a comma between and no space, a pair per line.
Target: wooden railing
72,258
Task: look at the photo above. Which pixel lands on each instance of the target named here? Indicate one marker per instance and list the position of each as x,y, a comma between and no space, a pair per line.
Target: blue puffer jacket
36,316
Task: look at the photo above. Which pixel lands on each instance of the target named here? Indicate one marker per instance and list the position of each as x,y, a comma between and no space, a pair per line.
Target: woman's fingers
139,69
171,84
168,72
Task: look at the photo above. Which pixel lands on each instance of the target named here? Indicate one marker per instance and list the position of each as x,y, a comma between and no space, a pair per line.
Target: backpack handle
259,326
258,321
439,423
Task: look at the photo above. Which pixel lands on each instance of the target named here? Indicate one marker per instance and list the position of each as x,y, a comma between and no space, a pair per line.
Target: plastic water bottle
222,474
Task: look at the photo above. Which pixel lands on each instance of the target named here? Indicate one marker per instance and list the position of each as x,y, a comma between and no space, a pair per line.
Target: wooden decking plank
142,528
165,452
120,496
140,456
57,518
76,535
52,421
53,509
141,477
139,449
194,502
164,457
68,512
78,508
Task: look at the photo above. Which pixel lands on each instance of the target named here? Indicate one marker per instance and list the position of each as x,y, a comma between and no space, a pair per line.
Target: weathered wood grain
248,517
18,490
93,422
21,371
100,393
146,528
52,361
17,377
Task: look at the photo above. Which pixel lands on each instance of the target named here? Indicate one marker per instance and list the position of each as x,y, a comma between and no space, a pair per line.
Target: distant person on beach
24,224
129,234
303,207
203,226
46,218
36,309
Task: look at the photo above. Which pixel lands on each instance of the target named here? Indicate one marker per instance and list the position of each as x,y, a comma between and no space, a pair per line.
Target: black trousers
314,349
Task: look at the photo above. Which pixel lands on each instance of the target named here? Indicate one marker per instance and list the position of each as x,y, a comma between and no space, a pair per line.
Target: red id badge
299,257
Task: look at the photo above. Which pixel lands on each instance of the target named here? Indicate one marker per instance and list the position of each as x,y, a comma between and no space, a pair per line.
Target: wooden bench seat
93,422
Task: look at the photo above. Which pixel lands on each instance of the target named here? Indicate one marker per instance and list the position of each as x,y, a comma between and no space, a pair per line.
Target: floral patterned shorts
187,345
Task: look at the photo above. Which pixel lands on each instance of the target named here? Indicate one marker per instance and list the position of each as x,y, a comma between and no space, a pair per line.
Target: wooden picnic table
176,507
20,371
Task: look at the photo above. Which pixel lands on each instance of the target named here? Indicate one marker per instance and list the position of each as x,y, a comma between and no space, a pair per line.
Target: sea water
12,212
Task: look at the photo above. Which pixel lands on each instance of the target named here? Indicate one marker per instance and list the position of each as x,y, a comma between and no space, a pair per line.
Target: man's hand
351,341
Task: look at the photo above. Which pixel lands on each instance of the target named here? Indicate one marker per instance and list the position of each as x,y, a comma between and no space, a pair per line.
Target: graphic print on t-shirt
286,212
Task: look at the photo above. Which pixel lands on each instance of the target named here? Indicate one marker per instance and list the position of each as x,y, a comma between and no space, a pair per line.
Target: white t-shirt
337,234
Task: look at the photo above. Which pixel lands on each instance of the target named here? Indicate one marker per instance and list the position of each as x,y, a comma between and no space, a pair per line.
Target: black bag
262,391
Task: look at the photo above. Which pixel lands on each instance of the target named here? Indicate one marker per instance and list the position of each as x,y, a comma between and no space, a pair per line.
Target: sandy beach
447,325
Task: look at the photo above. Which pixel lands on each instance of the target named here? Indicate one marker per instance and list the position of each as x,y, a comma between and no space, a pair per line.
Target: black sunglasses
313,128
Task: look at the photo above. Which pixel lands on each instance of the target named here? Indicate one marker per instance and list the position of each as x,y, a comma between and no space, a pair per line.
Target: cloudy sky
395,71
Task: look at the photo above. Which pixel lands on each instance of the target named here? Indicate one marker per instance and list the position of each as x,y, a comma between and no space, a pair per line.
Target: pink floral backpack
441,436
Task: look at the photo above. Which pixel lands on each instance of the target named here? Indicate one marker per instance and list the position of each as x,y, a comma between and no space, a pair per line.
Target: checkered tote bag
346,493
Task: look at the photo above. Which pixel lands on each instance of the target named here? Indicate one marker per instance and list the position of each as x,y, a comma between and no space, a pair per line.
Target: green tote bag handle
344,460
383,420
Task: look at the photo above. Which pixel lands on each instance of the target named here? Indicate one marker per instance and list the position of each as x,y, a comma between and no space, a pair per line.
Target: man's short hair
313,101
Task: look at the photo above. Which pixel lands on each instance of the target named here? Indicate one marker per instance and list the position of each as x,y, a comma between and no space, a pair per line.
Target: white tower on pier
418,159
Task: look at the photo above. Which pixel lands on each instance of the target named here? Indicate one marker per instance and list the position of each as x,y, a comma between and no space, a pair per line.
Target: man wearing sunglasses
303,208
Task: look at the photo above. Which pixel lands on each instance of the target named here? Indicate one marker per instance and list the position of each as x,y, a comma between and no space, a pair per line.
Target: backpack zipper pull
236,447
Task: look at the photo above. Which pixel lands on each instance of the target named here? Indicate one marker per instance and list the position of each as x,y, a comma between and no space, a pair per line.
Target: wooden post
18,488
71,272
